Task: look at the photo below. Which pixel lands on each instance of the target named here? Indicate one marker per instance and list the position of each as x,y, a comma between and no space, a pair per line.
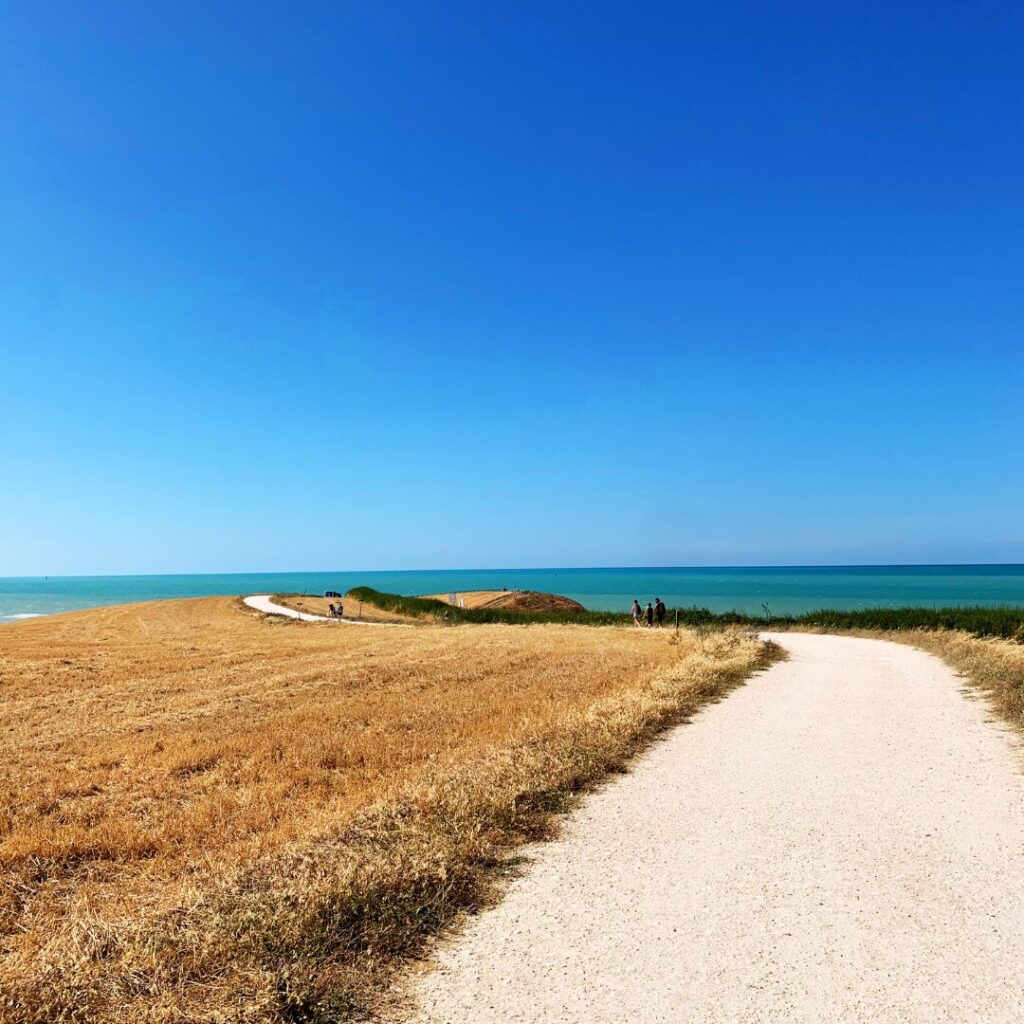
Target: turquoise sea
783,589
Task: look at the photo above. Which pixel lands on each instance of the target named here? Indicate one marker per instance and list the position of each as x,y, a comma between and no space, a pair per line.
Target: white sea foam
20,615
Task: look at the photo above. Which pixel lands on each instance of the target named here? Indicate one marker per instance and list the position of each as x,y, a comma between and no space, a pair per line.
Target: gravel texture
840,840
263,603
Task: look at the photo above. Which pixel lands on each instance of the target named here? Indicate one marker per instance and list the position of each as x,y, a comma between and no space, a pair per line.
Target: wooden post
677,620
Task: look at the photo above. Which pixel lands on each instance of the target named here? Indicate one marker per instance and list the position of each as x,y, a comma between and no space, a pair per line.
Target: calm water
782,589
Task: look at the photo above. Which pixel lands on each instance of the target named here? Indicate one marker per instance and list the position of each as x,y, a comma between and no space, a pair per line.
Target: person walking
636,613
659,610
650,614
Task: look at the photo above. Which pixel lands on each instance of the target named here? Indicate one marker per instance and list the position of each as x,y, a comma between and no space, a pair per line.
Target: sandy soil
841,840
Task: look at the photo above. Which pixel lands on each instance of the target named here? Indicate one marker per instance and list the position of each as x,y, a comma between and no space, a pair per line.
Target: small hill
511,600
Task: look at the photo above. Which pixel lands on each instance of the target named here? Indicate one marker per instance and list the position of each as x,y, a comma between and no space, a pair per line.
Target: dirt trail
840,840
263,603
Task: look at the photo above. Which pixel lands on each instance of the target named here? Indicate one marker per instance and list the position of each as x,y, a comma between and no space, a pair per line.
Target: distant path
262,603
841,840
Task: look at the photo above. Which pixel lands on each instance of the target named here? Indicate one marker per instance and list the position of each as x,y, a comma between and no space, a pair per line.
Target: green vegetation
1005,622
419,607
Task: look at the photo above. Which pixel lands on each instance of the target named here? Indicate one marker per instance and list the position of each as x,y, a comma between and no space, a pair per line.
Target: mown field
207,814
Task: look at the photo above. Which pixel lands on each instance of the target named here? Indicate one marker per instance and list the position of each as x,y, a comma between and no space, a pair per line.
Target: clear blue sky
400,285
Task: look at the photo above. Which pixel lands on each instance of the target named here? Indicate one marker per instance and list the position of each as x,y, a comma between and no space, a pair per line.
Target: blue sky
401,285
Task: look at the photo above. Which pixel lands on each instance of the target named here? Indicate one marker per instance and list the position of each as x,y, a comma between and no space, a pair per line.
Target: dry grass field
207,814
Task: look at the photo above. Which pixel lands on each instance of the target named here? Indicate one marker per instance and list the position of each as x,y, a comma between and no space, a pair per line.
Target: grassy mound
430,607
512,600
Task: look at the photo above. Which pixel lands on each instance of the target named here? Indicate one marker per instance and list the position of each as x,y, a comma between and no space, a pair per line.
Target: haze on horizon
413,286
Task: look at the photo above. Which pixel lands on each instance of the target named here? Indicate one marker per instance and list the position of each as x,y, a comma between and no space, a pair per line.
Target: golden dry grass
207,814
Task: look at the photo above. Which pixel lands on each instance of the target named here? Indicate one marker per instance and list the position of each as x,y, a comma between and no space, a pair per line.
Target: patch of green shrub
418,607
1003,621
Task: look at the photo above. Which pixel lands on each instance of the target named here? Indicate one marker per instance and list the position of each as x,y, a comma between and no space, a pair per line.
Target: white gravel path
263,603
840,840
